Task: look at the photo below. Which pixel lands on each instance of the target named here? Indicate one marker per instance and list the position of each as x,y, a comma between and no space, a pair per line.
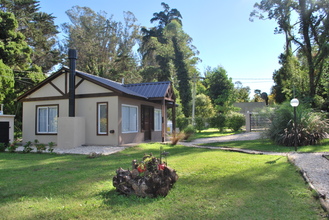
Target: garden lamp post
294,103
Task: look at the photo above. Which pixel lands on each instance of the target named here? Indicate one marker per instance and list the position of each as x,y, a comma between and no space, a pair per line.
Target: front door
4,132
147,122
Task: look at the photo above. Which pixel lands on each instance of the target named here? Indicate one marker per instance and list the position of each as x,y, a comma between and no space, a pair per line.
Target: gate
4,132
258,122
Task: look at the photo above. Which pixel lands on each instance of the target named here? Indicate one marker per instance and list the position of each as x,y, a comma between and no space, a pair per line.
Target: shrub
12,147
182,123
312,126
51,147
235,121
27,147
200,123
40,147
218,121
189,131
2,147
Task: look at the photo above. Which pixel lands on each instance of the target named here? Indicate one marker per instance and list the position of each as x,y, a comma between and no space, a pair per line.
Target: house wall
136,137
29,120
87,108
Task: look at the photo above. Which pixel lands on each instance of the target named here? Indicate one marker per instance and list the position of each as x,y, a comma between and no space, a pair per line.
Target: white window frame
99,132
47,125
124,118
157,119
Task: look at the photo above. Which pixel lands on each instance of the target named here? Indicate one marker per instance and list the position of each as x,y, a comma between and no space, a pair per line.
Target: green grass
212,185
267,145
212,132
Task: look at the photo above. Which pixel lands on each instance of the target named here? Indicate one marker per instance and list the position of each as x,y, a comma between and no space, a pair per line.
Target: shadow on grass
255,193
274,161
113,198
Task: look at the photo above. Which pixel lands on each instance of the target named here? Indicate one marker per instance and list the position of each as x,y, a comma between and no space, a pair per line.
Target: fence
256,122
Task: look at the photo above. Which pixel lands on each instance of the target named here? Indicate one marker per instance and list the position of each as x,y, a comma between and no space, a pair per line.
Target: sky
220,29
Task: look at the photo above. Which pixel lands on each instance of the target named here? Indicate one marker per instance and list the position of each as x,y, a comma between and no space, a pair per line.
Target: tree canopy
304,23
17,73
39,30
220,88
105,46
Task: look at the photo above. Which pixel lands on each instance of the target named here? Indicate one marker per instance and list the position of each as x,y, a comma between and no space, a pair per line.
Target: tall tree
167,16
105,46
168,51
156,49
220,88
38,28
241,93
309,32
17,73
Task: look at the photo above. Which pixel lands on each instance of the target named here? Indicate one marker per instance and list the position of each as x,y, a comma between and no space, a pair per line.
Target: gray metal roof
150,90
142,90
109,83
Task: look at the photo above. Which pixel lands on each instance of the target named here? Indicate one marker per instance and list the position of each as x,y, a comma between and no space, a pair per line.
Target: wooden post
164,121
174,117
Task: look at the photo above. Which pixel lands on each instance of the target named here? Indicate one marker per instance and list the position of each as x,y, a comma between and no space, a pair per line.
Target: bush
218,121
2,147
235,121
312,126
27,147
40,147
200,123
12,147
51,147
182,123
189,131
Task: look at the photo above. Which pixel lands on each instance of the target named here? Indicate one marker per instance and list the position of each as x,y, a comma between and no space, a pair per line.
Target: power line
266,79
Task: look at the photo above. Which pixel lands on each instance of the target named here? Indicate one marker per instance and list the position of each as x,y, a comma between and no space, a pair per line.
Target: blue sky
220,29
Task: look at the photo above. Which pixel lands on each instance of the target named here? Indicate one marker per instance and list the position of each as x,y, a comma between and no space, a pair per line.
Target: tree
105,46
168,51
183,61
167,16
241,94
290,79
309,32
39,30
14,51
157,49
203,106
17,73
220,88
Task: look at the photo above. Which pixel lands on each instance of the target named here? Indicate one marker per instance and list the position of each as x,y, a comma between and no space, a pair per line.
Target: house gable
47,90
83,87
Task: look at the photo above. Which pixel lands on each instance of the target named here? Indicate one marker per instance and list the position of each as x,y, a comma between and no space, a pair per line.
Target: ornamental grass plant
312,126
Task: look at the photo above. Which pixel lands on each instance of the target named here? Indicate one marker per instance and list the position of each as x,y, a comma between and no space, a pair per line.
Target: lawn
212,132
267,145
212,185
